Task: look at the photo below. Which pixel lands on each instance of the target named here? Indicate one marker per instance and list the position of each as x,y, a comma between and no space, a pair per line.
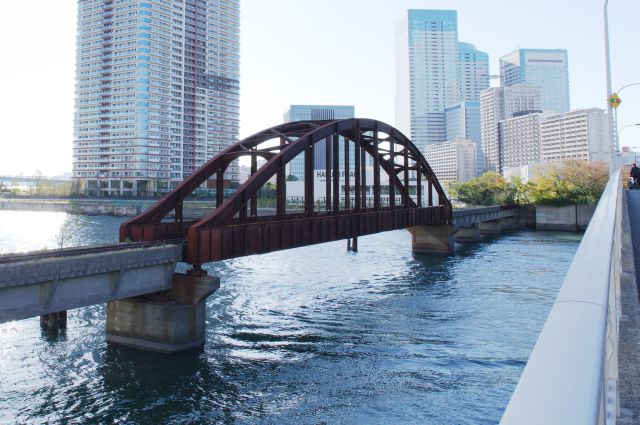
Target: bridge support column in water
433,239
490,228
511,223
54,320
468,234
166,321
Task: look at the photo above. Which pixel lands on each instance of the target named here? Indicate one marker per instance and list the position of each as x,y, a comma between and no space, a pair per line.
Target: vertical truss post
356,168
308,178
430,194
392,177
406,177
418,183
219,187
376,170
346,173
254,196
242,214
281,188
335,176
328,144
178,212
363,169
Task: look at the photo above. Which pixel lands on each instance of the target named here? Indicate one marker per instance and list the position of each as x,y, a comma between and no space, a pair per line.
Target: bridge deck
48,282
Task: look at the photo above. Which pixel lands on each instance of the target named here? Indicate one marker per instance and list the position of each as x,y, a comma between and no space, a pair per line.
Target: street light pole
613,131
613,126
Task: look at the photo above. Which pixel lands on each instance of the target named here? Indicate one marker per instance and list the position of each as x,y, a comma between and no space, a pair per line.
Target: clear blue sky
305,51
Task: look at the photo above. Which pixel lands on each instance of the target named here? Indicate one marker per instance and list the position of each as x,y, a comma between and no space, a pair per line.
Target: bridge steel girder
469,216
228,231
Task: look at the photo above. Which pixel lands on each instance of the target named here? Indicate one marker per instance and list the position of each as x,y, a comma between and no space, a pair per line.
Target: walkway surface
629,350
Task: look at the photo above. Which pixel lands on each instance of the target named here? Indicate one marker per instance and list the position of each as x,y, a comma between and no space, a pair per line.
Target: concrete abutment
433,239
167,321
468,234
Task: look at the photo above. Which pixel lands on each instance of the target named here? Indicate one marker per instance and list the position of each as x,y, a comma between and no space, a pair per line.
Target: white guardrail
572,374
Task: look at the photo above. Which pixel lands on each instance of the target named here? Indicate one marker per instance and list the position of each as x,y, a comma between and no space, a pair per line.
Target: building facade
317,112
462,121
427,73
453,160
473,72
544,68
498,104
434,71
519,140
157,92
582,134
491,113
521,97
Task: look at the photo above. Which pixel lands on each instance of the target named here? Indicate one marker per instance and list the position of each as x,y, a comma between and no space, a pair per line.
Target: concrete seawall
571,217
112,207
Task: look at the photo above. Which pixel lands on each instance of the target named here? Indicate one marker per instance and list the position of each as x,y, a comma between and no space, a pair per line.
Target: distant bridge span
235,229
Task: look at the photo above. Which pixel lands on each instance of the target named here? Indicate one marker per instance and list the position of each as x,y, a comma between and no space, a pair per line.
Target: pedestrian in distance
635,175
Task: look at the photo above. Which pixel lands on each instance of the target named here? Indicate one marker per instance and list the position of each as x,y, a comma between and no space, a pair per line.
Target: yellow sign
614,100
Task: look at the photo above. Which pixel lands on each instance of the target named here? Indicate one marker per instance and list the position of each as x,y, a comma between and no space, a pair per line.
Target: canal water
314,335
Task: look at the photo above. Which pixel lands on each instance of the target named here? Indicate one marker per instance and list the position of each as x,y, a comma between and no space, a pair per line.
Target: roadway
629,352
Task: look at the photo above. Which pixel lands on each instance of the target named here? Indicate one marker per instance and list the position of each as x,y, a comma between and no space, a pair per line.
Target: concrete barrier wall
570,217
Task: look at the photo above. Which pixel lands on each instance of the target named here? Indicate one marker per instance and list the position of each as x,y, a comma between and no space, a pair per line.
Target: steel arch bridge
394,199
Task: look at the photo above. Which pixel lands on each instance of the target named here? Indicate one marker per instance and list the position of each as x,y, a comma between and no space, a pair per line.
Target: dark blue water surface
314,335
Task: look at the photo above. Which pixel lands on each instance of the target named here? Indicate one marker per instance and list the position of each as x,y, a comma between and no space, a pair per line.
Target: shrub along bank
565,183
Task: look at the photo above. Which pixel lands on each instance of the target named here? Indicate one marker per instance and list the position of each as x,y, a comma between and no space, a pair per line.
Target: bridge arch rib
351,207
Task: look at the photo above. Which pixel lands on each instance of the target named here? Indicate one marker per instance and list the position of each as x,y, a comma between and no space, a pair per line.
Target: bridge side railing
572,374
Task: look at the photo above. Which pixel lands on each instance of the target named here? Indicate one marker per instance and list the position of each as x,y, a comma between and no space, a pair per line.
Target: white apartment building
453,160
581,134
491,113
519,139
157,92
498,104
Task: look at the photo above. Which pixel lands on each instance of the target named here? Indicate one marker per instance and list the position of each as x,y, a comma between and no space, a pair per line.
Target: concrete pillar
54,320
511,223
432,239
490,228
167,321
468,234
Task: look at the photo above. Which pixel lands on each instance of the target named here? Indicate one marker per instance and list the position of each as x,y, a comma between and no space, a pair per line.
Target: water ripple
316,335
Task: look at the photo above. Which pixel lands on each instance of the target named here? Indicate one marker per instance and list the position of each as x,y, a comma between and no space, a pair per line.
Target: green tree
570,182
488,189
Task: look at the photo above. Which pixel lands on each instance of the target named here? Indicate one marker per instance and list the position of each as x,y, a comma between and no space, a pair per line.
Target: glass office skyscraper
474,72
544,68
434,71
157,91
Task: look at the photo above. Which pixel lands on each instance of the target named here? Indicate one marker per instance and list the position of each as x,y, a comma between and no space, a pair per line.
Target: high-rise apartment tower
157,91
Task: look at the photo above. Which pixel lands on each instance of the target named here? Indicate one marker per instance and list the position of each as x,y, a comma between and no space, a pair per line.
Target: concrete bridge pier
433,239
511,223
166,321
468,234
54,320
490,228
